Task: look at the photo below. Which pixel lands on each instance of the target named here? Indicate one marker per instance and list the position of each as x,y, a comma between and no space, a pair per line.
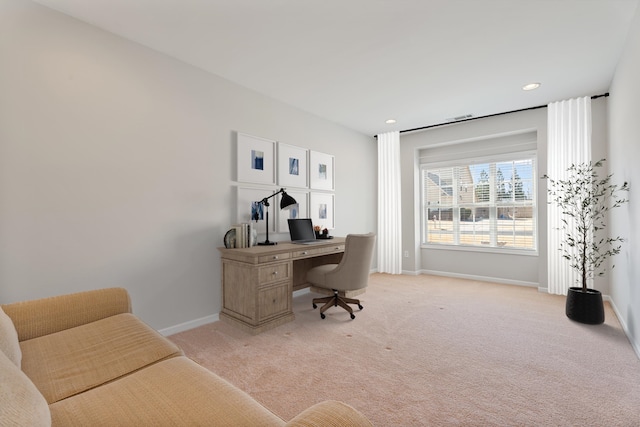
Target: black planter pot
585,307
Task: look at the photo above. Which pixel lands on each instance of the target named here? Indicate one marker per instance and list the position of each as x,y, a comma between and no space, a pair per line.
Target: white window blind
485,203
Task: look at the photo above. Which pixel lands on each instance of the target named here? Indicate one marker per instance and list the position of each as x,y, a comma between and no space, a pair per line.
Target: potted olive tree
585,198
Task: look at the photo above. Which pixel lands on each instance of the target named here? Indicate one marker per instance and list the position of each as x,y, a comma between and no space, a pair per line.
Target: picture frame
321,210
301,211
246,202
321,171
255,159
292,166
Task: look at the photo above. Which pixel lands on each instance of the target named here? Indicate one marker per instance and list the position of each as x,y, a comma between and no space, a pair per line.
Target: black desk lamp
285,202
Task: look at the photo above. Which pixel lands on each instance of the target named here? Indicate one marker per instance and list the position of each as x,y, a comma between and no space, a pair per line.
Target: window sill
492,250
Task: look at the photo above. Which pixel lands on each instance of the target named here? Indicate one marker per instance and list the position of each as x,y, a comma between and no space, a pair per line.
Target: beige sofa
83,359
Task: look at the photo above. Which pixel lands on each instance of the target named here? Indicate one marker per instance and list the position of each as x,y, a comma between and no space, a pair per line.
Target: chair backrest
353,270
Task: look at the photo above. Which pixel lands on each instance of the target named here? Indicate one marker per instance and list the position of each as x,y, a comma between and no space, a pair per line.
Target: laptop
301,231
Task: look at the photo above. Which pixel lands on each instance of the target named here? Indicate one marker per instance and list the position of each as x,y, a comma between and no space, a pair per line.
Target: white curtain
569,142
389,209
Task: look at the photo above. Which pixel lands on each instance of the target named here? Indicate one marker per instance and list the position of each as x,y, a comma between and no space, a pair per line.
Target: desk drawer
308,252
335,248
274,273
311,252
274,300
275,257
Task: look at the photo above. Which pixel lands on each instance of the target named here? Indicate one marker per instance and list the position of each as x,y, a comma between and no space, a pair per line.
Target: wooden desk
258,282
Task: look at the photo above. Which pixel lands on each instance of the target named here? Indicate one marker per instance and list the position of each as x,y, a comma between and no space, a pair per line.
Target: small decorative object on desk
324,234
241,236
230,239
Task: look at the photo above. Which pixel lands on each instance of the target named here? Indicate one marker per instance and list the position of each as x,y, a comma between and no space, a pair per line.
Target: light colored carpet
435,351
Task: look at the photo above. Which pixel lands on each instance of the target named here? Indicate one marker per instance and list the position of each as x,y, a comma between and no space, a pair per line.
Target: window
488,203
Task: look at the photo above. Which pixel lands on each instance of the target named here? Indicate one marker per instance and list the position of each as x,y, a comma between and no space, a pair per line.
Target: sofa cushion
173,392
9,339
329,413
46,316
20,402
72,361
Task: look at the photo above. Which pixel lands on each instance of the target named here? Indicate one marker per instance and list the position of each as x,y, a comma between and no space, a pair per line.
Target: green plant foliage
585,199
483,192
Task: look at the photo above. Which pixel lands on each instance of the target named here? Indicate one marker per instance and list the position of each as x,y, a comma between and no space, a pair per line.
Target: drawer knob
305,252
275,257
275,273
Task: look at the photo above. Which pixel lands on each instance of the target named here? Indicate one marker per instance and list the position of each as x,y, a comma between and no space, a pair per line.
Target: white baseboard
301,292
480,278
634,345
410,273
171,330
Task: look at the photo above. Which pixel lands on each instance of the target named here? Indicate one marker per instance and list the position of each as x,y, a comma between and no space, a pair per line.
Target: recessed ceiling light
531,86
390,121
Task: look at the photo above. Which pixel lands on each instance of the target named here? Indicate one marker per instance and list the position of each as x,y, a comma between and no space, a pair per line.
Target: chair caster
353,316
322,316
314,306
360,307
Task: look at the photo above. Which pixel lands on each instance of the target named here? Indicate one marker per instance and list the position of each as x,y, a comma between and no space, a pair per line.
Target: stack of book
241,236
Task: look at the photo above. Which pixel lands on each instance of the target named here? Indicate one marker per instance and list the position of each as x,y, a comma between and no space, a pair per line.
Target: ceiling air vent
458,118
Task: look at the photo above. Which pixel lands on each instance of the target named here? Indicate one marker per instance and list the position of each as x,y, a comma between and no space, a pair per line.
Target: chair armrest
45,316
330,413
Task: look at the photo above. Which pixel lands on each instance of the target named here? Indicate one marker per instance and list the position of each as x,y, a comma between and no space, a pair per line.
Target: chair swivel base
334,301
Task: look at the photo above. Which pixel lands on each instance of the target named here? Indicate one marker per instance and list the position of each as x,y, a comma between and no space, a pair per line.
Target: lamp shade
286,202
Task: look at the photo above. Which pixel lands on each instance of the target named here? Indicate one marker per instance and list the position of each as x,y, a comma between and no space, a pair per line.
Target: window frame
494,204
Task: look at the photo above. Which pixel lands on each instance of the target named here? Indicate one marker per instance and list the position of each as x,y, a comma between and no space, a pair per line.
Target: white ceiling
360,62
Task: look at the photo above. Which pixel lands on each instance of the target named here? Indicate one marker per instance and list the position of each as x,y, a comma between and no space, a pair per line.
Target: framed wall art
256,159
321,171
248,207
321,210
301,210
292,166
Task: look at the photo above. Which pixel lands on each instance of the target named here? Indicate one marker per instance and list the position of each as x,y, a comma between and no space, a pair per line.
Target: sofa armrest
330,413
45,316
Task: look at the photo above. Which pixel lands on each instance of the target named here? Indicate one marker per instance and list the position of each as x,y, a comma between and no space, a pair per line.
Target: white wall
505,268
116,166
624,152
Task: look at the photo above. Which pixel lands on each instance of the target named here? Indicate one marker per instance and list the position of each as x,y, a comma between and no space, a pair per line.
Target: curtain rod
484,117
